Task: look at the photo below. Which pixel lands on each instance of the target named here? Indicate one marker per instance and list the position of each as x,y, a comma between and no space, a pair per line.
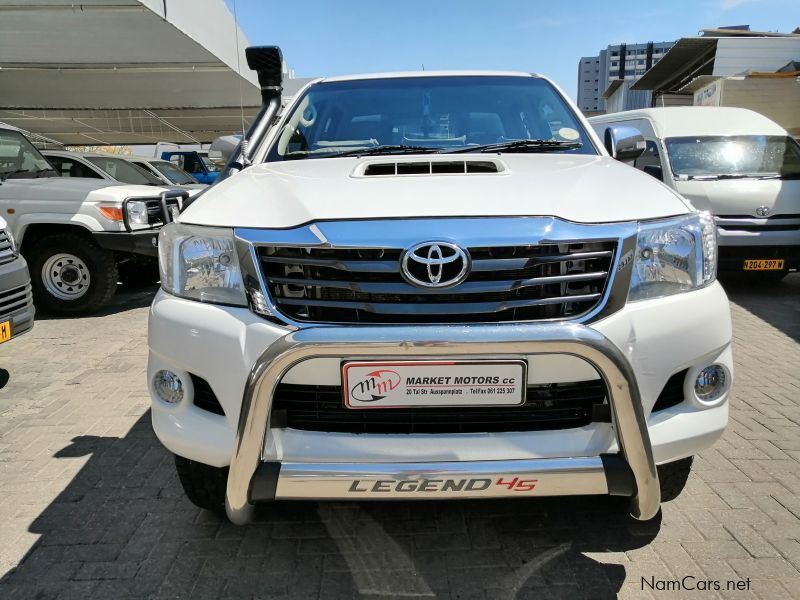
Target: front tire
204,485
71,274
673,477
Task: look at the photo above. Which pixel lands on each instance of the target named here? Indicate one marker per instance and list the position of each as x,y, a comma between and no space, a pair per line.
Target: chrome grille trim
371,284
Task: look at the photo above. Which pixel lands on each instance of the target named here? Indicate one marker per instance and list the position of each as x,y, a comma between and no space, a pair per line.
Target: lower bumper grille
15,299
547,407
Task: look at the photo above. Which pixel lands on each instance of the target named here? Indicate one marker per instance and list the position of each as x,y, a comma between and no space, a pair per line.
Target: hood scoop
429,167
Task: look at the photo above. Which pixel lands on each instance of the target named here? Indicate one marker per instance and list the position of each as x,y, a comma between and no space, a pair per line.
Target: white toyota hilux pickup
435,285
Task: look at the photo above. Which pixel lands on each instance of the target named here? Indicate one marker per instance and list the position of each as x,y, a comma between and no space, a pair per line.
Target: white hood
739,197
80,189
580,188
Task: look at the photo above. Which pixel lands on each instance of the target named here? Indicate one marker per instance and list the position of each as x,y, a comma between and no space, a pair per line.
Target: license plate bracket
407,384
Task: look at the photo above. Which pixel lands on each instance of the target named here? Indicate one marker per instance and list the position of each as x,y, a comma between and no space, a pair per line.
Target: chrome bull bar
293,480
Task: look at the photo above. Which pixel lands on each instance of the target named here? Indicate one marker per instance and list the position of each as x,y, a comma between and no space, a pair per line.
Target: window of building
615,53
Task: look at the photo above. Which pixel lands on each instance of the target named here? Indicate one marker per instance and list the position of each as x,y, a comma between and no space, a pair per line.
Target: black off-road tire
204,485
101,264
673,476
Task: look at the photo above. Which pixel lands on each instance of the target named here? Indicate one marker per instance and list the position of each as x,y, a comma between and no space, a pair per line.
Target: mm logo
375,385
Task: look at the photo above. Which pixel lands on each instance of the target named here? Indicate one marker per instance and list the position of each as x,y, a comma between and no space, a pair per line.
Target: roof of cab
86,154
677,121
398,74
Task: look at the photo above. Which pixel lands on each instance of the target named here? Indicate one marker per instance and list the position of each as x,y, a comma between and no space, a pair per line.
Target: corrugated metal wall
776,99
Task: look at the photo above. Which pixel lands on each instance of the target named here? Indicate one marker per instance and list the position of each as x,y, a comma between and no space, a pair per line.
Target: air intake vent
434,167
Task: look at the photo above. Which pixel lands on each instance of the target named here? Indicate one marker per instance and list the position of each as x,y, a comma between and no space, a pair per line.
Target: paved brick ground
91,507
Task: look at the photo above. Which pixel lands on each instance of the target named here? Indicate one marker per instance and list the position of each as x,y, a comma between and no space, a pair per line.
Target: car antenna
239,73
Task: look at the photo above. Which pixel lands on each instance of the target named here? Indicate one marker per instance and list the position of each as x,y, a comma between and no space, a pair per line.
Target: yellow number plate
764,265
5,331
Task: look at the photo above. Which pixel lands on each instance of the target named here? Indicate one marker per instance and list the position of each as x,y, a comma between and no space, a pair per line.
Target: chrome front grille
506,283
6,253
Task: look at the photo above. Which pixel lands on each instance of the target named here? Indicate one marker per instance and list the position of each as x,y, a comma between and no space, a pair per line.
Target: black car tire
673,477
98,265
203,484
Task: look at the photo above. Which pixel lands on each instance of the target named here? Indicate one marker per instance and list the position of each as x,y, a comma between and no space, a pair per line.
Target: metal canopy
688,58
124,71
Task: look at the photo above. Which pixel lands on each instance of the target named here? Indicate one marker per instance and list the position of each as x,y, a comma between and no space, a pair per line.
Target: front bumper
143,242
636,350
16,297
751,238
579,475
731,258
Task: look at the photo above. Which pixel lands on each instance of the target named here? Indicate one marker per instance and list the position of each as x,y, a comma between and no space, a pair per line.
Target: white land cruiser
79,236
435,285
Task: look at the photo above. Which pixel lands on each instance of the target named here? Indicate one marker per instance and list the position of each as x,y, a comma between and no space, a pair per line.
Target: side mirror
223,148
624,143
654,171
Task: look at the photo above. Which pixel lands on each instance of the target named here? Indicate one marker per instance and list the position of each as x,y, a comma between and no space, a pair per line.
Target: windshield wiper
732,176
387,149
10,174
518,146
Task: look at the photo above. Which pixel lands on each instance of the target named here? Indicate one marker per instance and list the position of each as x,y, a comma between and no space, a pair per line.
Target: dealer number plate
773,264
5,331
404,384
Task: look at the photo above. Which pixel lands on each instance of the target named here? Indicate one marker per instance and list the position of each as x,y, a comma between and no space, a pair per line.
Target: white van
735,163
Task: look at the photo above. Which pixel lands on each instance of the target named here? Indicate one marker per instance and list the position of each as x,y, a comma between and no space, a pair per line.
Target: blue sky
334,37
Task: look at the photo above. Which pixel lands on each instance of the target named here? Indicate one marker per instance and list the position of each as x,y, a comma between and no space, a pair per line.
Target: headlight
137,212
12,242
200,263
674,256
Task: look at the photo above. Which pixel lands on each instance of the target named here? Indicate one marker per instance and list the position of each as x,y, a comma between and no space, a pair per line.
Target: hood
580,188
79,189
740,197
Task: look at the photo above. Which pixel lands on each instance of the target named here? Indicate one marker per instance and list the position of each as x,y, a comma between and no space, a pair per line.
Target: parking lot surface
92,507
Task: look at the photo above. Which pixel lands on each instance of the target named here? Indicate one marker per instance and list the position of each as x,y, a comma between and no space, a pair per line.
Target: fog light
168,386
710,383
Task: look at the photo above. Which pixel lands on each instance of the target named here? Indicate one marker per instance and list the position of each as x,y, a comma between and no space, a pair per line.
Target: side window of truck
71,168
650,160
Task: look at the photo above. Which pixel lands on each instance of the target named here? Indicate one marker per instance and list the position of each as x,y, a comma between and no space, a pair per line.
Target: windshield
212,168
19,158
175,174
123,170
738,155
428,114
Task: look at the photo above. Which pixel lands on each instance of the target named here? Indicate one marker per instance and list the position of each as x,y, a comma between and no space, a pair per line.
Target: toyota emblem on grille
434,265
762,211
